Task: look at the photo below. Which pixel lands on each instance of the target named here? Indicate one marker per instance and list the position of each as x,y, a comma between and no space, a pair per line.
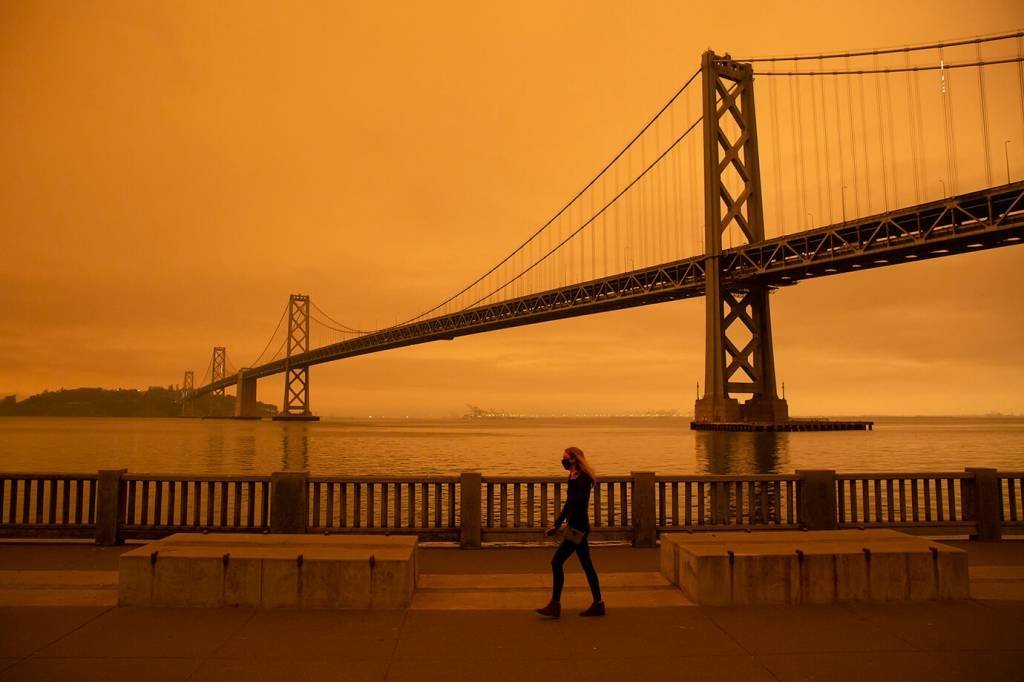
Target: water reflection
245,451
214,444
727,452
295,446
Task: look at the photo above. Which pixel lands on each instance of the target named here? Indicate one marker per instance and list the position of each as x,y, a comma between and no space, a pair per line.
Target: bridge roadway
975,221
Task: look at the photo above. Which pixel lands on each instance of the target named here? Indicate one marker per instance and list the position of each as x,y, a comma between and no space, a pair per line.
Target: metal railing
904,500
721,502
1011,488
530,504
113,505
426,506
158,504
47,505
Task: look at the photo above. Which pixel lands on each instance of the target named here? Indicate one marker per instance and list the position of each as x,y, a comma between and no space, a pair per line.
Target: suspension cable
896,69
891,50
271,339
343,327
569,203
592,218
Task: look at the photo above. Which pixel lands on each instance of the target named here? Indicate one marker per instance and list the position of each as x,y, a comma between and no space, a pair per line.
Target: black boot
552,610
595,609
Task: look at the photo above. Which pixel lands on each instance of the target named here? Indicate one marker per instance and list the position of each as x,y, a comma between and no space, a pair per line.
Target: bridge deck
975,221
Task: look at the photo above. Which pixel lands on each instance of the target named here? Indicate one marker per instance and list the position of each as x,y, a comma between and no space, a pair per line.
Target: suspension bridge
865,159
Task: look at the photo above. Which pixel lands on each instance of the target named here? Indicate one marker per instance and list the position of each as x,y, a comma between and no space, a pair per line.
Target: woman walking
576,513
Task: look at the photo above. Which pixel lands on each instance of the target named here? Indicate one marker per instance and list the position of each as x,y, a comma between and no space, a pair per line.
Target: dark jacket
577,503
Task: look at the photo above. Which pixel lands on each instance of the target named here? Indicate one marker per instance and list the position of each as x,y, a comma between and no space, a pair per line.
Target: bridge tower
218,367
188,387
738,343
296,378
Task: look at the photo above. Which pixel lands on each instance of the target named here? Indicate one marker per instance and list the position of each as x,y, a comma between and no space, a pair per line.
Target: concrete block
783,567
393,583
280,584
289,571
188,581
135,585
888,576
243,578
816,578
953,578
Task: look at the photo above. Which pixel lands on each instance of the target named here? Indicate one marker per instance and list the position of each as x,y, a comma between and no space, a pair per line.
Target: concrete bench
271,571
816,567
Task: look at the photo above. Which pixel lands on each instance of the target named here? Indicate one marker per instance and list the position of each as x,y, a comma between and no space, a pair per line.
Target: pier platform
472,618
791,425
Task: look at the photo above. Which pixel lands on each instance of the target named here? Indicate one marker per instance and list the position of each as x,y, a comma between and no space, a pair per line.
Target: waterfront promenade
472,618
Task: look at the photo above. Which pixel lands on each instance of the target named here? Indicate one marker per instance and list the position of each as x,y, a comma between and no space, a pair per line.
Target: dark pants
563,552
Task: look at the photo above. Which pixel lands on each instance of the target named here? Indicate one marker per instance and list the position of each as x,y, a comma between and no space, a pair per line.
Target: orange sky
173,170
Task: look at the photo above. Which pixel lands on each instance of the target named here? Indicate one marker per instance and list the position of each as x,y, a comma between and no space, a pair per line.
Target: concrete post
719,503
289,501
816,499
110,506
470,512
986,504
645,521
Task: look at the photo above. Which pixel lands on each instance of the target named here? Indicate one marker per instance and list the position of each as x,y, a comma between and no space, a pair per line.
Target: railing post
469,500
289,501
719,503
645,524
986,504
816,499
110,505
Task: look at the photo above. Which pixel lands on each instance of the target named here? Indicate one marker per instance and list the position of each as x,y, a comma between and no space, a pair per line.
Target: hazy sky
173,170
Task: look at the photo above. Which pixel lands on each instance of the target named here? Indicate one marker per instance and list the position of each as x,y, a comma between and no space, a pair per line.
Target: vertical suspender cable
881,138
984,120
1020,85
947,117
864,147
853,141
658,202
912,126
839,147
817,151
828,156
776,162
696,225
919,115
892,143
798,144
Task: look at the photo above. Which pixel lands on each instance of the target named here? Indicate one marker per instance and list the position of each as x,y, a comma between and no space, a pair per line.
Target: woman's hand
551,531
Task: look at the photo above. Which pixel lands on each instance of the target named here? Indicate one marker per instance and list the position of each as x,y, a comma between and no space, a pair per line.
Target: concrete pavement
473,620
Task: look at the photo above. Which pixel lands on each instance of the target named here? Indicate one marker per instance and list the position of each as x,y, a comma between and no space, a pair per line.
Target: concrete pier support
246,406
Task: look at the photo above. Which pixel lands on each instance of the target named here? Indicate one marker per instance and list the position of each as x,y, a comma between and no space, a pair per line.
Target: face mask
566,464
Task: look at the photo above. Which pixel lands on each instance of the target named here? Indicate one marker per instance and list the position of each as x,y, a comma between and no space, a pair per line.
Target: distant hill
156,401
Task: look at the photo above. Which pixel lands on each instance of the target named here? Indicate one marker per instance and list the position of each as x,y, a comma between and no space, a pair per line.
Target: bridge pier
738,345
246,406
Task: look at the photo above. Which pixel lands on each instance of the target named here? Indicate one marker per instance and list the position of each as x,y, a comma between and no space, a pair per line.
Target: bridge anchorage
638,233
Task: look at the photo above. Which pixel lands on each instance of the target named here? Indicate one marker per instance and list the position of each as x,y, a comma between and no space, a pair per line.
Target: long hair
581,462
